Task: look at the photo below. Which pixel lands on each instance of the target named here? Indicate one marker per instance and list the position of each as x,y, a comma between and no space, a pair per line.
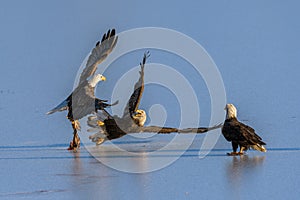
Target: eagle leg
234,153
75,143
242,150
76,125
234,149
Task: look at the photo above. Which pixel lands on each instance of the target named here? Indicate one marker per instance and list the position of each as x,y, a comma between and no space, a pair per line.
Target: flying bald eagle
114,126
82,100
133,118
240,134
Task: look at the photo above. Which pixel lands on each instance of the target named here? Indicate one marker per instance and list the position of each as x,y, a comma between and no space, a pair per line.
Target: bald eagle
133,118
239,134
82,100
114,126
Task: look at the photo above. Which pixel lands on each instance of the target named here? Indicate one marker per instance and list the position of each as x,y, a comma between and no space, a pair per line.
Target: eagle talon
100,141
233,154
75,143
100,123
71,146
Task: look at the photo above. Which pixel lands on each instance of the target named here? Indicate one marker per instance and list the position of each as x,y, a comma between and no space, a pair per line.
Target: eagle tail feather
61,107
259,147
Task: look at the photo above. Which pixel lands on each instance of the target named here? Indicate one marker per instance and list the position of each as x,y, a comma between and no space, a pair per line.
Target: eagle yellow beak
103,78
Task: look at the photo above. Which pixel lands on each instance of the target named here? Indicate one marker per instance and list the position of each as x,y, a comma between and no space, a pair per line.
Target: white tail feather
61,107
259,147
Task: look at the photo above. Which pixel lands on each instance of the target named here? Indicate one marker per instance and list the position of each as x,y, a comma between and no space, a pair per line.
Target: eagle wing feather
99,53
136,96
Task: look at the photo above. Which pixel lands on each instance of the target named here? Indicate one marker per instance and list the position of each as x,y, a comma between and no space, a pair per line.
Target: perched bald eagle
133,118
82,100
240,134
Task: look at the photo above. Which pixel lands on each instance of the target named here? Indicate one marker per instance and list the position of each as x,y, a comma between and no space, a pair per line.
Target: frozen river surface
52,172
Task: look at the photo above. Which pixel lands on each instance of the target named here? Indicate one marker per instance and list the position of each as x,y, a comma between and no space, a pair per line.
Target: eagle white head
139,117
95,80
231,111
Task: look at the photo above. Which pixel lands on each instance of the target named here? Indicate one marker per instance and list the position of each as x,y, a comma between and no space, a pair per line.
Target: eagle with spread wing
239,134
82,100
133,118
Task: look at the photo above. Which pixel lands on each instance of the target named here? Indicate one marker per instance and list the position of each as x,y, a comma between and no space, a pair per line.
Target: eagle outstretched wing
135,98
99,53
155,129
112,130
168,130
200,129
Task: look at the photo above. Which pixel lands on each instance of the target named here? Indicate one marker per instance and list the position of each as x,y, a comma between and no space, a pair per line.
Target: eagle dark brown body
239,134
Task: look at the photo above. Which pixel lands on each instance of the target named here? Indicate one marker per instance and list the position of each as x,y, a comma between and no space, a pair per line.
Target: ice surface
43,172
255,46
